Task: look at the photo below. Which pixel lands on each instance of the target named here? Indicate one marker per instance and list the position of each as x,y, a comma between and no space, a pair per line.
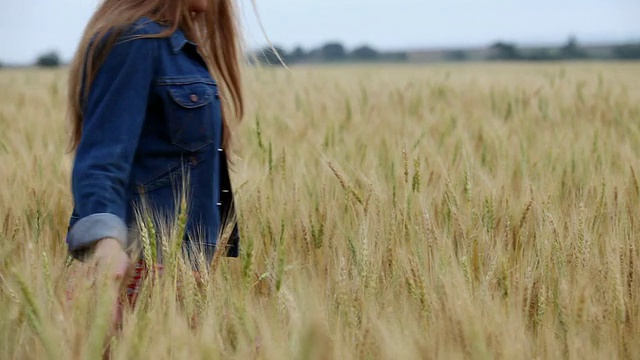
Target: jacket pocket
191,112
175,175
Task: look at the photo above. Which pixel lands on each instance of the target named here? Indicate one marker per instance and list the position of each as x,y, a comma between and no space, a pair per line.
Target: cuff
87,231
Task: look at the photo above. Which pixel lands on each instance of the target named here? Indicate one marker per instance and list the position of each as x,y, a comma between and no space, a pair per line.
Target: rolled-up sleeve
113,118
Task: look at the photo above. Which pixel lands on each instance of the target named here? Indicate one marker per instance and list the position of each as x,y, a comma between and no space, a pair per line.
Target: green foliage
50,59
572,51
329,52
298,54
364,52
542,55
457,55
333,51
270,56
504,51
627,52
499,51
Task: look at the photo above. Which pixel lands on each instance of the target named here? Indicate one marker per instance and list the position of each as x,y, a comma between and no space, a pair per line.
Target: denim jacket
152,115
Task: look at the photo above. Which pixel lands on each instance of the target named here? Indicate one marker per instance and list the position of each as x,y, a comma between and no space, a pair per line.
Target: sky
31,27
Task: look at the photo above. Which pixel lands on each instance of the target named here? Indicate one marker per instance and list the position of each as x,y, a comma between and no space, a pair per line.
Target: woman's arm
113,117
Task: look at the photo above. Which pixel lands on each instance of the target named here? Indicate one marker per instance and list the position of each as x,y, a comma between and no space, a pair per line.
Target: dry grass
470,211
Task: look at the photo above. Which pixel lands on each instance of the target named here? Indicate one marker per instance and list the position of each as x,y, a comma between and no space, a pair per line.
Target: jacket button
217,95
194,98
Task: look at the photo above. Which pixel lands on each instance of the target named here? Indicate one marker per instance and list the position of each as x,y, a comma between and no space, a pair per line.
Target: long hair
215,31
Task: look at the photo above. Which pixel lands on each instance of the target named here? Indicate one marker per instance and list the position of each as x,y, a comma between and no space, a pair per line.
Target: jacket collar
179,40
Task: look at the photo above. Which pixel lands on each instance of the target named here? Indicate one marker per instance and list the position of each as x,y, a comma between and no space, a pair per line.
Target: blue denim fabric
151,116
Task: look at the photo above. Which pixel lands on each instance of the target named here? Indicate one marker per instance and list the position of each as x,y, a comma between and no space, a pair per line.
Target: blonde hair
215,31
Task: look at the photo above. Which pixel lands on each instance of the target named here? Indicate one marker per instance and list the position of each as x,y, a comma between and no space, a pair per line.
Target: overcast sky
29,27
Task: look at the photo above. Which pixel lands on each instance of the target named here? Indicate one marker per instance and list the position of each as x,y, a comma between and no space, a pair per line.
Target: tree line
498,51
334,52
571,50
327,53
49,59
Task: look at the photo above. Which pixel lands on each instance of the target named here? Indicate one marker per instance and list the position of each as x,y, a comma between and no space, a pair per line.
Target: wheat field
486,211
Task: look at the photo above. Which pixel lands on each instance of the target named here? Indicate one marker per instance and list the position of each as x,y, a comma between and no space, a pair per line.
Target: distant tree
50,59
364,53
627,52
333,51
315,54
571,50
400,56
456,55
504,51
298,54
541,55
269,55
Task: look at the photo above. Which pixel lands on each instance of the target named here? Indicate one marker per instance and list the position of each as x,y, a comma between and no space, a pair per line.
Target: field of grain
387,212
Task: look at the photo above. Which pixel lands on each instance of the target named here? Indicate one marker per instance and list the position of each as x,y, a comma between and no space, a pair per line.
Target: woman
145,110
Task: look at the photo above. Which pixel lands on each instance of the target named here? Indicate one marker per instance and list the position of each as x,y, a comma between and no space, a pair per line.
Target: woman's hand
111,260
112,264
